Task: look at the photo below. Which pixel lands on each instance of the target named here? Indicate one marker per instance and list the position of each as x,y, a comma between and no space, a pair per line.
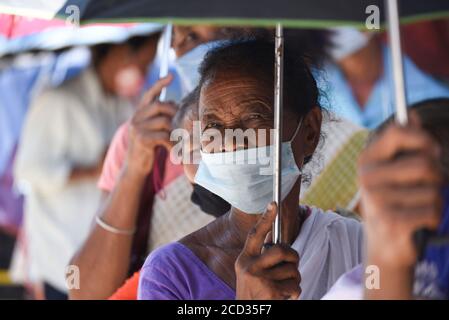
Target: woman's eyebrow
211,115
257,106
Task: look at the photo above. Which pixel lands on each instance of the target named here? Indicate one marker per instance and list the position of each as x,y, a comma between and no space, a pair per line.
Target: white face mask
188,64
347,41
129,82
244,178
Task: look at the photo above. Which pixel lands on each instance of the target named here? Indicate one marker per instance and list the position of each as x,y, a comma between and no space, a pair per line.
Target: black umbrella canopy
291,13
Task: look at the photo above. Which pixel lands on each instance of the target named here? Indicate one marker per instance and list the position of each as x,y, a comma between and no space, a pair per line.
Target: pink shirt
116,157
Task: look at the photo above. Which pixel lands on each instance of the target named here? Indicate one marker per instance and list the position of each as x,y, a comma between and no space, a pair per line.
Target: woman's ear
312,131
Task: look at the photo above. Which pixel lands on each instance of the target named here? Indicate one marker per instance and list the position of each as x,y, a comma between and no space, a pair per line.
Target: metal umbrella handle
163,72
278,106
165,59
394,36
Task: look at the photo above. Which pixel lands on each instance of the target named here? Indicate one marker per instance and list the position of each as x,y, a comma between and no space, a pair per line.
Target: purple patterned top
174,272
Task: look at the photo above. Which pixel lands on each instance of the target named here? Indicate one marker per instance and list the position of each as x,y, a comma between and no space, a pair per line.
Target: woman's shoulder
74,92
186,249
174,272
63,98
164,274
166,255
332,220
333,227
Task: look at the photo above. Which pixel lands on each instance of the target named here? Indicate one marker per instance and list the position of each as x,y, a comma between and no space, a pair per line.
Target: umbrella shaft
166,45
394,35
278,105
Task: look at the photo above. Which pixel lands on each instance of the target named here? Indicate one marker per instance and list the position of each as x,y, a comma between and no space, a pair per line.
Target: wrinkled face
187,38
235,101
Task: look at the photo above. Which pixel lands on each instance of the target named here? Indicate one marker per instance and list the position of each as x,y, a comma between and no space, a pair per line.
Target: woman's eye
191,37
212,125
185,42
254,117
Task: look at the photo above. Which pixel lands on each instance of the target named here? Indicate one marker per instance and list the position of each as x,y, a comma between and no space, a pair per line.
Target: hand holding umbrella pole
422,237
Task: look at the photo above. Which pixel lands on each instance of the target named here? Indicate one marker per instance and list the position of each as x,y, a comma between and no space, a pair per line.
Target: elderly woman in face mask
129,165
230,258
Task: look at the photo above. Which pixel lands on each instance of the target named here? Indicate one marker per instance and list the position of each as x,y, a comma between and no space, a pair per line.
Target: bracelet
111,229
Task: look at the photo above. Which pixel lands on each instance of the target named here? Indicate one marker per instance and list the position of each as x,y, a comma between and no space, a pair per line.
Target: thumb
268,243
156,89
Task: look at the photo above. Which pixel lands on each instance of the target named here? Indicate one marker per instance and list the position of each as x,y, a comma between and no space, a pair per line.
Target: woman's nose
234,139
229,145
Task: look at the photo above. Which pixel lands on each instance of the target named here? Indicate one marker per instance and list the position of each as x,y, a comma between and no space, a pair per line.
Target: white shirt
68,126
328,246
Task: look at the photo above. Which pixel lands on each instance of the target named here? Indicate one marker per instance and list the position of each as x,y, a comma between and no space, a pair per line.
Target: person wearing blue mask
232,257
360,79
191,43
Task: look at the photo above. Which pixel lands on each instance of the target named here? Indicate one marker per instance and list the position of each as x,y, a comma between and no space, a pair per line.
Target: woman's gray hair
188,104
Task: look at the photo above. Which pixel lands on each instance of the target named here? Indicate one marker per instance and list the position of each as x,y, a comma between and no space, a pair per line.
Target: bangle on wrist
112,229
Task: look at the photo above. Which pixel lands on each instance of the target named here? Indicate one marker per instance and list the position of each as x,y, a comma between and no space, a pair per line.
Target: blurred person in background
11,202
408,201
21,78
394,206
427,44
361,82
61,152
